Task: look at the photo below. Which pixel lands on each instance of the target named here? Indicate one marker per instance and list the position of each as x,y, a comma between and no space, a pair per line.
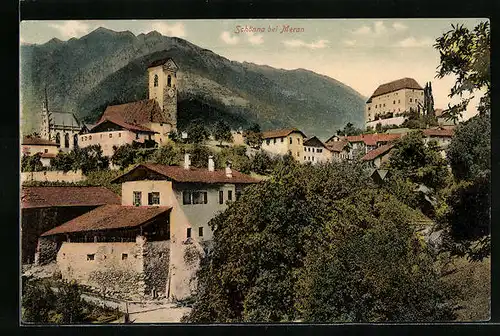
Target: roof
280,133
162,62
135,113
337,146
372,139
108,217
314,142
403,83
373,154
44,197
64,119
123,124
37,141
438,132
192,175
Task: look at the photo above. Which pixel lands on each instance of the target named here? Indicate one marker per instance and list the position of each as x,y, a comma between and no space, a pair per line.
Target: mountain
106,67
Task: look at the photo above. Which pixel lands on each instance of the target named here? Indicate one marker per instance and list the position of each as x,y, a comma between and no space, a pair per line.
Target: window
90,257
188,233
154,198
298,140
305,149
313,158
238,193
124,256
268,142
45,150
110,135
137,198
169,81
136,136
66,140
274,140
282,139
155,81
394,102
75,140
221,197
290,140
319,150
375,105
119,135
229,195
298,154
101,136
410,100
186,197
399,101
90,137
368,109
200,231
384,105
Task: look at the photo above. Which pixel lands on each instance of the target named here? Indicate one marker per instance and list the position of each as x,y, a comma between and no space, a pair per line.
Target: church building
61,127
149,119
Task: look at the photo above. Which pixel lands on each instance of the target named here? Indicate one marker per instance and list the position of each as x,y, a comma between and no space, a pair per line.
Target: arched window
66,140
156,81
58,138
169,81
75,141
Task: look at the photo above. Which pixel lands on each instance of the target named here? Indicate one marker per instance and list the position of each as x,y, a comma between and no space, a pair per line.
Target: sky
361,53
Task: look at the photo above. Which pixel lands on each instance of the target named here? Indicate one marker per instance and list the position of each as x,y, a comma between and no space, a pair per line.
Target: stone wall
53,176
46,250
117,269
156,265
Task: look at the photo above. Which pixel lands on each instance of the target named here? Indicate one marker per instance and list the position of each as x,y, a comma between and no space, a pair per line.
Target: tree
349,130
64,161
37,301
90,159
31,163
69,303
253,136
168,154
222,132
257,269
262,163
378,128
197,133
123,156
419,162
465,54
469,152
238,157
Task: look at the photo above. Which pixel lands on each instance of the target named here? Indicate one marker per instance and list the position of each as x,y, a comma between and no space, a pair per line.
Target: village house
281,142
362,144
390,100
315,151
341,149
33,145
61,127
150,119
153,241
376,158
43,208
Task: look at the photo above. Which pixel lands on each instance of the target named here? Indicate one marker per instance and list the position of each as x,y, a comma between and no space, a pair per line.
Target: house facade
390,100
150,119
48,149
185,199
378,157
281,142
315,151
341,149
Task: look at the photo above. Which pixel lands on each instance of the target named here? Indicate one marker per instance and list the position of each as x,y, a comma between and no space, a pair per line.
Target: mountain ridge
107,67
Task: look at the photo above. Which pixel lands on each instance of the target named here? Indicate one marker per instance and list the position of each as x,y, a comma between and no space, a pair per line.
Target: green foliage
222,132
197,132
262,163
87,159
466,55
199,155
37,302
469,152
168,154
123,156
266,244
238,157
31,163
418,162
253,136
69,304
349,129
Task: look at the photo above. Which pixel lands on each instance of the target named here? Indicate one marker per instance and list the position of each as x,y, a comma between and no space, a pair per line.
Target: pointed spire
45,99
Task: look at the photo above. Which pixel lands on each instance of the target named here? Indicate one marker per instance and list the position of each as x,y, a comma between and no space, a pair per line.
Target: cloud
255,39
398,26
379,28
412,42
350,42
176,29
363,30
70,29
299,43
228,39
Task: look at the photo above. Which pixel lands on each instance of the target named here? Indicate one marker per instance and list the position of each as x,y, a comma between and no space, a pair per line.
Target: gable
314,142
170,65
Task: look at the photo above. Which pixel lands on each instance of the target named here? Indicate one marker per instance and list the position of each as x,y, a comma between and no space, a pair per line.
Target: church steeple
44,124
45,103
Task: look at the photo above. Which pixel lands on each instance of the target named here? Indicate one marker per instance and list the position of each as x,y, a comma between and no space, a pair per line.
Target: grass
473,280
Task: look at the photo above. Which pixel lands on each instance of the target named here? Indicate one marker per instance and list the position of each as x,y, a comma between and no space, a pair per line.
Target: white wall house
315,151
281,142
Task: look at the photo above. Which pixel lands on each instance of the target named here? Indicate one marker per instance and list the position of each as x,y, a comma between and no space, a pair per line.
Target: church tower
44,124
163,88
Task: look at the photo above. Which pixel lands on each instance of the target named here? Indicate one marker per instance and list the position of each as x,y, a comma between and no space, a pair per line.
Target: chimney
187,161
211,164
229,172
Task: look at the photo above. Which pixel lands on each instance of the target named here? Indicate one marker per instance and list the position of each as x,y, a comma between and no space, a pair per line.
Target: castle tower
163,88
44,123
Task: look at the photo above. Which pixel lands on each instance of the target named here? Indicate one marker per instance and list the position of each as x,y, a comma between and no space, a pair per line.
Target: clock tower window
169,81
156,81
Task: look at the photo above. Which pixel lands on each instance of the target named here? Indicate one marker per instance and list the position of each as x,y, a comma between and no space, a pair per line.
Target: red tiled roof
403,83
123,124
135,113
372,139
108,217
337,146
438,132
371,155
37,141
280,133
194,175
44,197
